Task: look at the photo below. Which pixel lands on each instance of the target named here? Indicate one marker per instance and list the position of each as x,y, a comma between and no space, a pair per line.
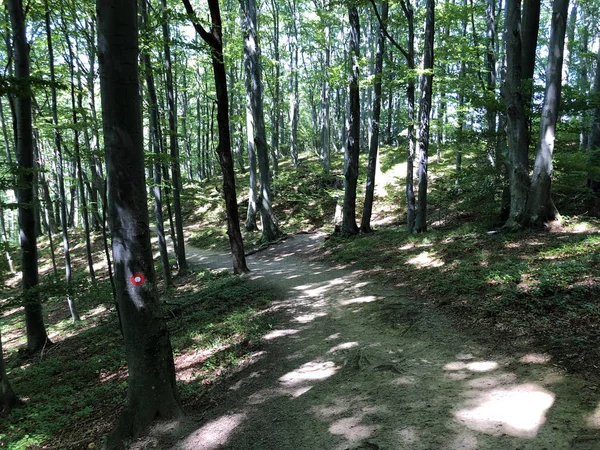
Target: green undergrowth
75,389
542,287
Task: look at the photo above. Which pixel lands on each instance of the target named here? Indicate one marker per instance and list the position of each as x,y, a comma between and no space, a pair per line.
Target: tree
349,226
37,338
365,225
8,399
215,40
540,206
64,222
254,87
518,160
155,145
424,117
152,391
173,144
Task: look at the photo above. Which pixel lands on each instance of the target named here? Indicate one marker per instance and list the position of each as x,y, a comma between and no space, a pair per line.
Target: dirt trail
355,364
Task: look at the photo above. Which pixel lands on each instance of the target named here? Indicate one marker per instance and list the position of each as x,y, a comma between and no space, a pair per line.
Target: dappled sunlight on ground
516,410
342,380
425,260
215,433
279,333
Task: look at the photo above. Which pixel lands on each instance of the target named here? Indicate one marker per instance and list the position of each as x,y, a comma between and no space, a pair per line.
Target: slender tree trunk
424,117
60,172
325,104
594,136
410,96
152,390
46,195
490,114
5,241
254,86
215,40
76,147
518,160
8,398
155,147
34,322
365,225
253,184
173,144
349,226
276,113
294,97
540,206
95,158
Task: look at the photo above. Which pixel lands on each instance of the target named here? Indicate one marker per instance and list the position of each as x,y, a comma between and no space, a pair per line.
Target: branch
208,38
384,29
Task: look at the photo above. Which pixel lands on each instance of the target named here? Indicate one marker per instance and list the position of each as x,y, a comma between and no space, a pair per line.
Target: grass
543,286
74,390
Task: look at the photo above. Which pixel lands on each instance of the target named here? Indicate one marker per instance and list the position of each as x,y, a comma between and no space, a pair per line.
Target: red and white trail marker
137,279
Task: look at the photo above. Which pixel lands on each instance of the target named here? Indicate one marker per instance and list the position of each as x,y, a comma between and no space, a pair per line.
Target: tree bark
424,117
155,147
34,322
594,137
365,225
254,86
173,144
60,172
541,208
518,161
8,398
349,226
294,97
152,391
76,147
215,40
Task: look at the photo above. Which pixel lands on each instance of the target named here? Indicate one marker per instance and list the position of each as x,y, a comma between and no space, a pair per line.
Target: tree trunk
276,110
152,391
294,97
518,161
215,41
173,144
155,147
325,104
594,137
349,226
253,184
254,86
34,322
76,147
64,222
490,114
8,399
541,208
365,225
424,117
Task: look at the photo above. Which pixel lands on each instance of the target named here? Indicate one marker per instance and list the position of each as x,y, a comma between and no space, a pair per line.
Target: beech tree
8,398
541,208
365,225
152,391
254,86
424,117
215,40
37,338
349,226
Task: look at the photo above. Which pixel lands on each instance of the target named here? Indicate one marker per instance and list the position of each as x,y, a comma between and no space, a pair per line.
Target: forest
348,224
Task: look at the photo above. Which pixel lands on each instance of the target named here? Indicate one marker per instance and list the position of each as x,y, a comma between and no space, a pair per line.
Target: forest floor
354,362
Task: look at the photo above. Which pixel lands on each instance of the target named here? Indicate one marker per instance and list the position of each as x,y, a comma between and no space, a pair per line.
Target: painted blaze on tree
152,392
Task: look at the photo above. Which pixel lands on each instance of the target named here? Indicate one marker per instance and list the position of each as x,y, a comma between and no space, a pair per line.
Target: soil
353,363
